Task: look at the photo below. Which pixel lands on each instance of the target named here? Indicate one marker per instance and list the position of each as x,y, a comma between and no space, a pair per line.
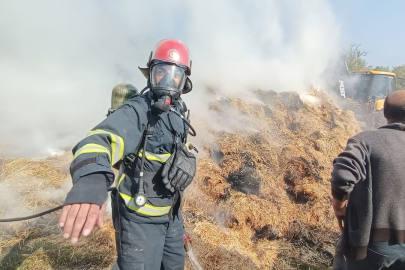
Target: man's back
368,183
371,170
387,156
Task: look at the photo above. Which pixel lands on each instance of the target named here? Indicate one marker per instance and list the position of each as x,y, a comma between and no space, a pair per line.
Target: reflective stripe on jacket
119,135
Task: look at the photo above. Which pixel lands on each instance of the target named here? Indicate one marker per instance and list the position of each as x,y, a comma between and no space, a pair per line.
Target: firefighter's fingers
172,173
63,215
79,222
165,170
182,181
91,219
101,215
187,183
168,186
165,180
176,179
70,220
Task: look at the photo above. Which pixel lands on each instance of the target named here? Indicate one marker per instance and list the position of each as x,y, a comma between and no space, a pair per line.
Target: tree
382,68
400,80
354,58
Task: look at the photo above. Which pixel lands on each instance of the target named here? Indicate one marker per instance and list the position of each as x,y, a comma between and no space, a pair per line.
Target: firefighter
144,138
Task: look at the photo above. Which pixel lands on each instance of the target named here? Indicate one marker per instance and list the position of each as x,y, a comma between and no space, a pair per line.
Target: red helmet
175,51
170,51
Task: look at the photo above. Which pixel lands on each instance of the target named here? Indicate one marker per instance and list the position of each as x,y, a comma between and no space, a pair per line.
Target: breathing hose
185,121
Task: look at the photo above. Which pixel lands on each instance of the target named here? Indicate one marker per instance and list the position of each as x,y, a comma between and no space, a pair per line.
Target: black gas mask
166,83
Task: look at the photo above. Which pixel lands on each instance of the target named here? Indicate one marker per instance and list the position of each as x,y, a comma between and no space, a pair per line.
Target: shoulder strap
131,158
146,133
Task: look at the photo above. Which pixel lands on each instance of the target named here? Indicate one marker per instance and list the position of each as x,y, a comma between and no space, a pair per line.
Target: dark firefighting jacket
114,138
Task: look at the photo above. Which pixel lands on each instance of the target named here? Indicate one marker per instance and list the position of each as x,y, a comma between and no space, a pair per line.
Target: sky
59,60
377,25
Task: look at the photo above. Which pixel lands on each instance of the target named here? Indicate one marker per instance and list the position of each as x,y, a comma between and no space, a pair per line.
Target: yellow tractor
367,95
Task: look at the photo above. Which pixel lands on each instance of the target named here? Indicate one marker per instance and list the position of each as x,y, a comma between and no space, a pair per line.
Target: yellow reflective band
162,158
147,209
91,148
120,180
117,144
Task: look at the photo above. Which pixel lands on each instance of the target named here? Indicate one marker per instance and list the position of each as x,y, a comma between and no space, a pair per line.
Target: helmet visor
169,77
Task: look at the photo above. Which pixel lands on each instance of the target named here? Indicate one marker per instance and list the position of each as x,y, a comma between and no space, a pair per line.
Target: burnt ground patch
266,232
291,101
317,243
244,180
298,169
216,155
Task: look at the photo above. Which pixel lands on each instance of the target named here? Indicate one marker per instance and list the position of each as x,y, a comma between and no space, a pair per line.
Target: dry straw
264,204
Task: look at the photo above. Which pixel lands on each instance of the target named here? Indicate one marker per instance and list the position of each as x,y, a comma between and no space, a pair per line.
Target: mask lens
168,76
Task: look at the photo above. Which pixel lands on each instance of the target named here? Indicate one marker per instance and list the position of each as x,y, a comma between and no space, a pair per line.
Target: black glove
179,169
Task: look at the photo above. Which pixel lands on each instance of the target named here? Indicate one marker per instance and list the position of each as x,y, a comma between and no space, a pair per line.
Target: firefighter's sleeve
104,146
348,169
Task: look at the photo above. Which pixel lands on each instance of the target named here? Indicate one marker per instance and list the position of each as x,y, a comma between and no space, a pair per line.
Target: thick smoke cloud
60,59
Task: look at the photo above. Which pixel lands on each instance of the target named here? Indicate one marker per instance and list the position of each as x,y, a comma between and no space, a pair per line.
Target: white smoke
61,59
11,205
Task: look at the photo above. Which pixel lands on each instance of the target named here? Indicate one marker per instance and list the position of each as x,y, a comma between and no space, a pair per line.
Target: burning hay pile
260,199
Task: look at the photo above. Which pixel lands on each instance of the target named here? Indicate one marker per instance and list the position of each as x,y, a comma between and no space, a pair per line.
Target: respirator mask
166,83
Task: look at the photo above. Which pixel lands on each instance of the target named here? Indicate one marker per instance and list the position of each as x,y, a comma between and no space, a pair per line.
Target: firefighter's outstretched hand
79,219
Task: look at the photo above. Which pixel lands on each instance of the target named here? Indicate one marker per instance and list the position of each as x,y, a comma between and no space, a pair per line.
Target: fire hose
32,216
186,237
38,214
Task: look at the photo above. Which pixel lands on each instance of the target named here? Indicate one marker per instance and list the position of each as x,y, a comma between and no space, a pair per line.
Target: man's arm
104,146
348,169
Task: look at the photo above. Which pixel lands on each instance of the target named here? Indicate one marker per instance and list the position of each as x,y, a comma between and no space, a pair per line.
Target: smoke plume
61,59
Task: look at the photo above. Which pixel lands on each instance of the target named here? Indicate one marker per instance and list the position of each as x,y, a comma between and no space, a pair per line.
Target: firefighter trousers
147,246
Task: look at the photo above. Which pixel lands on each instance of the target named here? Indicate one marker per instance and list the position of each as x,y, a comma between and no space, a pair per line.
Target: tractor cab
371,84
367,96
